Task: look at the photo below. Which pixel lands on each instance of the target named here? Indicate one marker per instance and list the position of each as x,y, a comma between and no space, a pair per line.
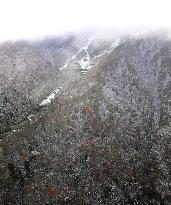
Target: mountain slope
103,137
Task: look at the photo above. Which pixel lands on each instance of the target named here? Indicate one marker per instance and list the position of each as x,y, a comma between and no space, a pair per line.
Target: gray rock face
104,136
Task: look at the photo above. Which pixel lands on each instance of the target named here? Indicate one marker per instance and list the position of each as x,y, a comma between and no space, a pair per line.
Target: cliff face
103,137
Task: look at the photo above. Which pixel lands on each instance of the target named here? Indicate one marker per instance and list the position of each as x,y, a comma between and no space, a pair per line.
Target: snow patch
50,97
35,152
85,62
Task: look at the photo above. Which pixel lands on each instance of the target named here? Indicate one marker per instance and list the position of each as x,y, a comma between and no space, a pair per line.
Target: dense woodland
105,138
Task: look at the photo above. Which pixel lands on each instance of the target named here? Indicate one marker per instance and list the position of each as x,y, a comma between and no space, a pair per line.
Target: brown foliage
50,191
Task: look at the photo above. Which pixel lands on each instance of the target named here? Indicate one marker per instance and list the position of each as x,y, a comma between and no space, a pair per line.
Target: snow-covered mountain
85,119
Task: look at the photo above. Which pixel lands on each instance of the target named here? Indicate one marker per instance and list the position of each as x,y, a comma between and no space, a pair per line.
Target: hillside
86,120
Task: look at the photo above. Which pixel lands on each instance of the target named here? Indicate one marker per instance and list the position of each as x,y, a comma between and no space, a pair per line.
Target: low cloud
21,19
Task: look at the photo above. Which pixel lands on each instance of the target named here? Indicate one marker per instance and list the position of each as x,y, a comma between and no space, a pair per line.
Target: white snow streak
50,97
85,61
85,64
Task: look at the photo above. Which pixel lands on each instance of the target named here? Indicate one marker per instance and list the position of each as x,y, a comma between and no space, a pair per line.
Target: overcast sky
30,19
